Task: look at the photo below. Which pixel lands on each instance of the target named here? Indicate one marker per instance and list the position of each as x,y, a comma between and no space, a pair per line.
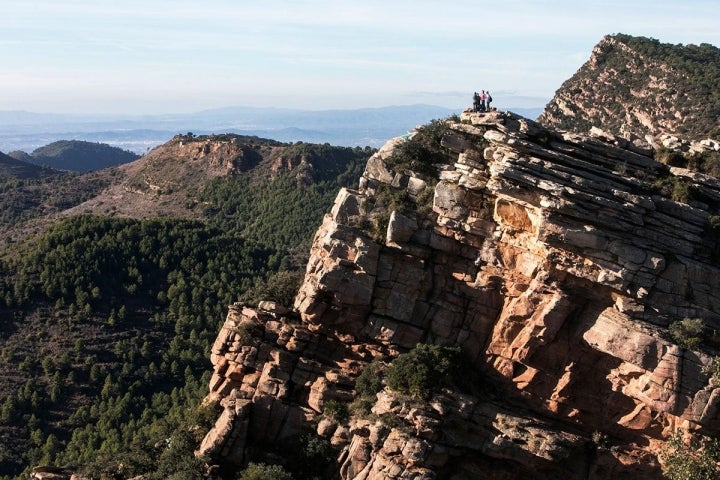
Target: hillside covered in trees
107,320
76,156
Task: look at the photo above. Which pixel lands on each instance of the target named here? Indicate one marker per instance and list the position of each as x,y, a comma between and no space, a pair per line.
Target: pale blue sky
167,56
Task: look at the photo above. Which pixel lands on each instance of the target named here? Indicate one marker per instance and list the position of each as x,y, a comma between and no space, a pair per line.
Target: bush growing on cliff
670,157
714,222
311,457
694,460
687,332
247,331
338,411
420,152
705,162
261,471
423,369
280,287
676,188
369,382
713,370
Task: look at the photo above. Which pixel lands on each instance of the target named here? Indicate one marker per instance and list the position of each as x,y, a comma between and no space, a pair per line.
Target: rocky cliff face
638,87
547,258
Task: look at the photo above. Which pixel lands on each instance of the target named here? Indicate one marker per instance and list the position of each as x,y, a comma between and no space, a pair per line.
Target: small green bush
314,458
600,439
394,199
419,153
714,221
246,332
380,223
670,157
423,369
705,162
369,382
676,188
425,201
261,471
280,287
687,332
361,406
338,411
696,460
392,420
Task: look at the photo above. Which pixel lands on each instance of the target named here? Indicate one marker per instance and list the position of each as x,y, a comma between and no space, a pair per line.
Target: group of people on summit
481,101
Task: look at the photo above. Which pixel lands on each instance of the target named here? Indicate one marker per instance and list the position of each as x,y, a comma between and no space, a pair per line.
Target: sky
172,56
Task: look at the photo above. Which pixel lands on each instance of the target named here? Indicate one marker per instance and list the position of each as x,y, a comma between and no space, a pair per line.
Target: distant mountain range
27,131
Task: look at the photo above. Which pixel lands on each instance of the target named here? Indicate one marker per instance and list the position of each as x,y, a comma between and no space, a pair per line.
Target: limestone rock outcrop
549,258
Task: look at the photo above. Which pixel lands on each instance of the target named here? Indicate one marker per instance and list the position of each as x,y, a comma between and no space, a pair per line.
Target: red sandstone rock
546,266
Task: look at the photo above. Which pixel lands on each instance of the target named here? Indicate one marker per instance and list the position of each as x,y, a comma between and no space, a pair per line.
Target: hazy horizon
524,103
27,131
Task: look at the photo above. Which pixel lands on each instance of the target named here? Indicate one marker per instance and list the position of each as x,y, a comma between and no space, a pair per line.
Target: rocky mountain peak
637,86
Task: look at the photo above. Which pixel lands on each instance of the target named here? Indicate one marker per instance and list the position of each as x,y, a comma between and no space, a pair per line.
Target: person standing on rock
476,102
483,98
487,101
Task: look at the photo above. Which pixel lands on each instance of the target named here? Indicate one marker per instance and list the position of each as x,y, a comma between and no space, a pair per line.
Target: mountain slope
22,169
77,156
635,86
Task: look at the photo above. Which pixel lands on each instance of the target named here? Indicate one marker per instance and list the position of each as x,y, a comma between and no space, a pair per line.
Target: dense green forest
276,213
153,294
106,323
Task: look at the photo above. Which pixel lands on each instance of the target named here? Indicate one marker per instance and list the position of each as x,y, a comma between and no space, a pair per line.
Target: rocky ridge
169,179
637,87
554,265
164,182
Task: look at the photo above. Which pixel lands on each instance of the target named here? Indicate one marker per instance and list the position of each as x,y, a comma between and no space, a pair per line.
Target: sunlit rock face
546,257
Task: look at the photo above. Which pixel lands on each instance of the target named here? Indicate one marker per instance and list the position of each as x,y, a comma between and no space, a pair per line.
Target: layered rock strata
546,258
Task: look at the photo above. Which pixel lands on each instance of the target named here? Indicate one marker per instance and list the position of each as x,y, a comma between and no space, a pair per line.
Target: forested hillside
106,322
77,156
13,168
